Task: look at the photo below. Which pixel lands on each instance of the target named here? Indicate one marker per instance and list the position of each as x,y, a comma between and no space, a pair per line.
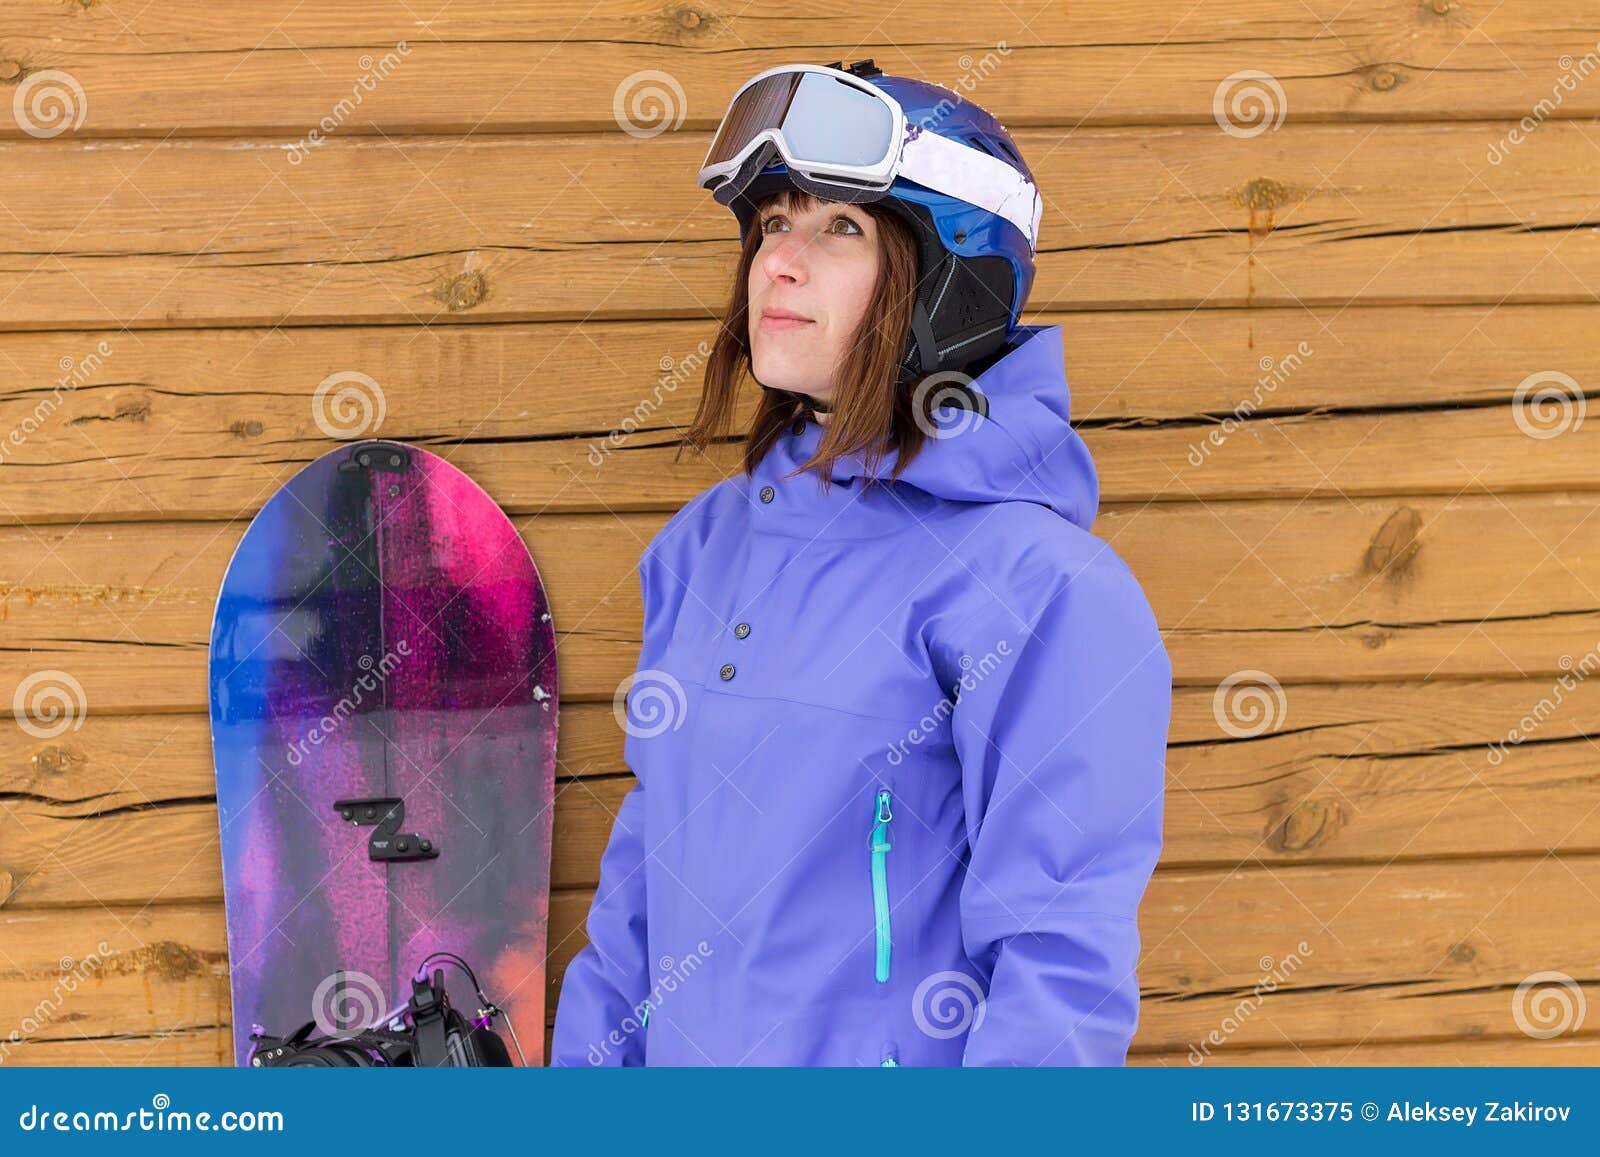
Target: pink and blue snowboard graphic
382,634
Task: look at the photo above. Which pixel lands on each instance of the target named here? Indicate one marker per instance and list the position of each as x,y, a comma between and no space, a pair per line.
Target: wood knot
166,958
1311,823
463,291
10,71
1381,77
1375,638
1264,194
1262,198
53,759
1394,547
246,429
174,961
1463,953
685,18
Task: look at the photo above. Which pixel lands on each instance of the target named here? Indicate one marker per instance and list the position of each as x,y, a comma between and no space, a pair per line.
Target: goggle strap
974,176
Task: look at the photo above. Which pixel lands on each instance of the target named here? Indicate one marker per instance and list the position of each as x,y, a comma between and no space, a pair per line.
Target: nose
783,257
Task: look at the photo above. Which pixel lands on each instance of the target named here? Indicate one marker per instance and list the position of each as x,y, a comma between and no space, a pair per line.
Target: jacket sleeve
603,1007
1061,731
599,1016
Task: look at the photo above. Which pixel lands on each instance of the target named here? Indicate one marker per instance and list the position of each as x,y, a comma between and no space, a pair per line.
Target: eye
841,219
768,219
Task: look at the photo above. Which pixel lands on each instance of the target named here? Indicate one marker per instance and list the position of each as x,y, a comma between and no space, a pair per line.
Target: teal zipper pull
880,880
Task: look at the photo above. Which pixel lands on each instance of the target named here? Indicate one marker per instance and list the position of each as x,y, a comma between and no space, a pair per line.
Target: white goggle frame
910,151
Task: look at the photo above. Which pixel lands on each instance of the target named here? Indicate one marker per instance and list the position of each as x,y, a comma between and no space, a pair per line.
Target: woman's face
810,283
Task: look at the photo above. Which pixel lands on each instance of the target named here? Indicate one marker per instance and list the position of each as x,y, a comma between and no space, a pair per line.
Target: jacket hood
1024,451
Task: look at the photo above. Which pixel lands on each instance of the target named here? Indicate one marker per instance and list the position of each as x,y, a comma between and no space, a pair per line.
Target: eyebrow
840,208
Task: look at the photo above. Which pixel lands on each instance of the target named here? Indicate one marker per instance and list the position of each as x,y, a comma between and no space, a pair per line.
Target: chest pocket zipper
880,880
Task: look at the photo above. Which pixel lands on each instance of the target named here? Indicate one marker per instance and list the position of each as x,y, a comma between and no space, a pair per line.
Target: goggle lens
823,120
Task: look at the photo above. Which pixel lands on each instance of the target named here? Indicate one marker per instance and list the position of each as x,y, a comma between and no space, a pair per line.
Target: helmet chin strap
923,356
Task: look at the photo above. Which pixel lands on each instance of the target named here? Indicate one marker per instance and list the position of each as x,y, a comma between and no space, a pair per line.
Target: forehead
799,201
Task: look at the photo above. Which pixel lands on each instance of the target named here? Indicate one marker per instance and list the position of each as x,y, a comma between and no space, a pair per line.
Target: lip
774,320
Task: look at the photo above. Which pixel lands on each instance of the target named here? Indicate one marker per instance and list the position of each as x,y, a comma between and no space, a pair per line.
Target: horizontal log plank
205,424
1392,954
147,234
1315,591
122,811
497,66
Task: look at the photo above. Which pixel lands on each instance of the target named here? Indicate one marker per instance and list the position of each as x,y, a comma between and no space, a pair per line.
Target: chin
778,373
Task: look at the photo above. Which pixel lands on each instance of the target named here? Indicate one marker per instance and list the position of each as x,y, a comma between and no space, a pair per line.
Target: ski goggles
851,138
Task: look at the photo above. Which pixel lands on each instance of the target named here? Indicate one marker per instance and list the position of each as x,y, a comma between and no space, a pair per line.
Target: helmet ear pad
963,305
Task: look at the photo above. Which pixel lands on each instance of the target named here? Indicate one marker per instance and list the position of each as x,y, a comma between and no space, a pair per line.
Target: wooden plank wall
1332,372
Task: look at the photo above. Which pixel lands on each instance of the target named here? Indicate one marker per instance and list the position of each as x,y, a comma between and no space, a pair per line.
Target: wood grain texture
433,230
1205,405
275,67
1254,957
1425,772
1312,590
1306,361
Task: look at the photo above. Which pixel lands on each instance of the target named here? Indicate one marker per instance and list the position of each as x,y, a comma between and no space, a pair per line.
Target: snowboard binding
427,1032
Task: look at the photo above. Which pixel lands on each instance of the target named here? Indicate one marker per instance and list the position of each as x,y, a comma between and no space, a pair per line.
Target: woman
899,726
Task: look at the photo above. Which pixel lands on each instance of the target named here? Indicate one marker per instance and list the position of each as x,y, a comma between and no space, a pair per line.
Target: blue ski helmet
974,267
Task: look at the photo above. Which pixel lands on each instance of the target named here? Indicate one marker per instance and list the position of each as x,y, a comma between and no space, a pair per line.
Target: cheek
850,298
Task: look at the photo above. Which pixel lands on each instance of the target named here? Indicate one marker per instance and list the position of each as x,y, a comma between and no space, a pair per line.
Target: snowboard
383,715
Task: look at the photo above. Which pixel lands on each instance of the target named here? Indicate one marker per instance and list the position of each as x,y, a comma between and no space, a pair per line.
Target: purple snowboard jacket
900,758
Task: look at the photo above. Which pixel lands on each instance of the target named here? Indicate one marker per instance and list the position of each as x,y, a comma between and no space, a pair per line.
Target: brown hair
869,414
